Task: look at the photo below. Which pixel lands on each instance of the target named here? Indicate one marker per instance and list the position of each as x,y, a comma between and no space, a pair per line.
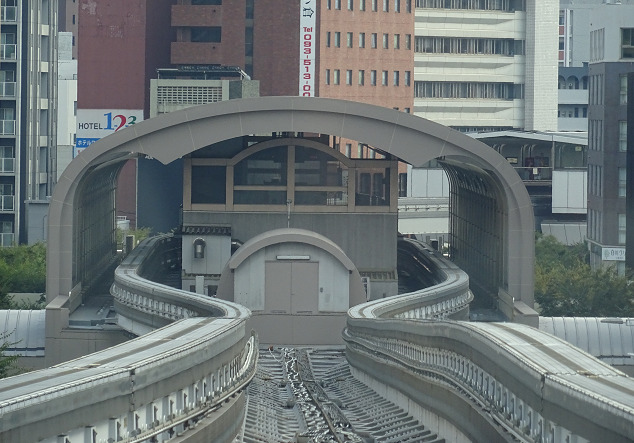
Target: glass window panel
209,184
264,168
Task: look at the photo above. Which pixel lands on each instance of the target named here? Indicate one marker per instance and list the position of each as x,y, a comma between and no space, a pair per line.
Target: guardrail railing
147,389
524,384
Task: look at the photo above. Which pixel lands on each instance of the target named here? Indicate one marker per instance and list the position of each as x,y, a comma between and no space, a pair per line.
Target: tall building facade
28,100
486,65
611,59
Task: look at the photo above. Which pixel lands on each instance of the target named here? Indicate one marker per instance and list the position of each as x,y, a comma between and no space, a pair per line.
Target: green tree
22,269
565,285
8,363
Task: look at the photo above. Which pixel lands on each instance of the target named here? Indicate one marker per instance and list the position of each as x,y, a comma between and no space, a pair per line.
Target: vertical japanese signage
307,48
93,124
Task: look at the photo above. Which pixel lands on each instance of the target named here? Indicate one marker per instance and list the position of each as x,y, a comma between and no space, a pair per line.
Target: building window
408,78
337,39
361,5
386,41
402,184
348,149
349,39
337,4
396,78
207,34
627,42
329,4
349,77
373,77
622,229
408,41
374,6
327,76
374,40
397,41
384,78
397,5
336,76
328,39
350,5
386,5
408,6
361,77
362,39
622,135
407,110
468,45
622,181
623,90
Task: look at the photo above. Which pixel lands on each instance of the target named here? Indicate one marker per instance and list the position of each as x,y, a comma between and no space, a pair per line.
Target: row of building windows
333,77
334,39
595,226
572,112
483,5
595,96
595,135
481,90
459,45
595,181
374,5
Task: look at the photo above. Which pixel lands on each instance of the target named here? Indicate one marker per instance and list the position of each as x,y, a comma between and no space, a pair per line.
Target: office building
28,100
486,65
611,59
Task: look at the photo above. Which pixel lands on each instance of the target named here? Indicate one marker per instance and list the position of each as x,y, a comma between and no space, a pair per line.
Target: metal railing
503,372
7,203
7,127
8,51
7,164
7,89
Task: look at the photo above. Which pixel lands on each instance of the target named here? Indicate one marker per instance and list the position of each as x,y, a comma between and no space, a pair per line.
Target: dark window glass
264,168
209,34
209,184
206,2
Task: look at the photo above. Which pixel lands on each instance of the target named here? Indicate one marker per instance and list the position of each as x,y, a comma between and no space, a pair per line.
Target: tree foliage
565,285
22,269
8,363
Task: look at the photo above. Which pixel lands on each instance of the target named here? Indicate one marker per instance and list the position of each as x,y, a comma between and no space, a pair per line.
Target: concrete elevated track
184,377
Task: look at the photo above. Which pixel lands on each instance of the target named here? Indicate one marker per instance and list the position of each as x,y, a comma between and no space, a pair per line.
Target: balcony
8,14
7,127
8,51
7,89
6,239
7,203
7,165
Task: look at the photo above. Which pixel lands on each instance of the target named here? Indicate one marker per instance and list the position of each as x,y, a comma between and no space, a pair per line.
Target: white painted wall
250,278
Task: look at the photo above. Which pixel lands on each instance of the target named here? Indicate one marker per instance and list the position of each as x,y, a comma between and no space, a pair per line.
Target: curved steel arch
412,139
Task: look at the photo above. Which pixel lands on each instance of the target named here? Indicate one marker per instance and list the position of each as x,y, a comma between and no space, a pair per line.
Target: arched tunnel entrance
261,182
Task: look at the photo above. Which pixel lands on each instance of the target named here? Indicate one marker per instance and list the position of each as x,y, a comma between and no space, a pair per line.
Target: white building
487,65
67,102
28,100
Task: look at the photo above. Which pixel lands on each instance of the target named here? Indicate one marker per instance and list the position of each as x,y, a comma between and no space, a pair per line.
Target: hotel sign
307,47
93,124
